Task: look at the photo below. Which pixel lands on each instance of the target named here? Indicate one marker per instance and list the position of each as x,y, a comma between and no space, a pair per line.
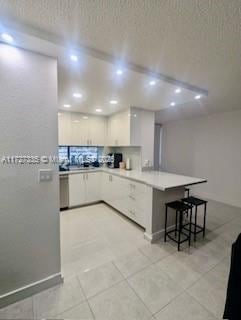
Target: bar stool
187,192
196,202
180,208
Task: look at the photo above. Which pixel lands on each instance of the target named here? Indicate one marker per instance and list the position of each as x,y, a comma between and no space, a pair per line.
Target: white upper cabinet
64,128
133,127
78,129
119,129
97,131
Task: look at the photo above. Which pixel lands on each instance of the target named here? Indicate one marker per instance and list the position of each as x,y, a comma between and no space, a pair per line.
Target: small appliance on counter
122,165
117,158
128,164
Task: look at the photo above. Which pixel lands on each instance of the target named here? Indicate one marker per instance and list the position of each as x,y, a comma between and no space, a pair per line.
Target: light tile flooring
111,272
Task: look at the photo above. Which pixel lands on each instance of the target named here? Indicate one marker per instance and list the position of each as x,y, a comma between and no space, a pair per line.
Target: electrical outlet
45,175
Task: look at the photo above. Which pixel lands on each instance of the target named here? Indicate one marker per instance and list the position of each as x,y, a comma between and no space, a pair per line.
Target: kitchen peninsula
139,195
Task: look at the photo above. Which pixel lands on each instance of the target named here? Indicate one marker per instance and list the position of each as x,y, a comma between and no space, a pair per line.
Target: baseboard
211,196
29,290
153,237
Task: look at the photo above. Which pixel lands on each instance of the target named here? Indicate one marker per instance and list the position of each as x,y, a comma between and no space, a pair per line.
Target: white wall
29,215
207,147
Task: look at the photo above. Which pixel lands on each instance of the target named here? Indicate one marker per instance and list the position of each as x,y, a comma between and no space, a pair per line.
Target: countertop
156,179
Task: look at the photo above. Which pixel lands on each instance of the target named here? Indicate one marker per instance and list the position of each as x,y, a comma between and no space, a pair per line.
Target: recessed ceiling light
113,101
67,105
172,104
178,90
152,83
7,37
98,110
73,57
198,96
77,95
85,117
119,71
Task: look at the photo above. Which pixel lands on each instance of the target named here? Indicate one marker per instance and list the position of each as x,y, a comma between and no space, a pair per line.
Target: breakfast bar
139,195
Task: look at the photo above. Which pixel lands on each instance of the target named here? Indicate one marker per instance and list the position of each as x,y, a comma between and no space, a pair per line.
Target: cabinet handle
131,197
87,176
84,176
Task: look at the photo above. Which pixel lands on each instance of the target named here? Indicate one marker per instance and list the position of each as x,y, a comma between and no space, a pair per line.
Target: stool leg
180,230
190,228
195,226
176,226
204,219
165,235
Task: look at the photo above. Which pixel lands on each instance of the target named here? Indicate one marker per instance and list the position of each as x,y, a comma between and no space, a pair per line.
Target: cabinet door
79,130
123,128
119,129
112,131
93,183
97,131
64,128
105,187
120,194
140,202
77,189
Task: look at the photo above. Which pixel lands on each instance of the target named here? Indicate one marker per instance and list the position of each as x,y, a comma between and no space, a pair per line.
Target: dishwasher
64,191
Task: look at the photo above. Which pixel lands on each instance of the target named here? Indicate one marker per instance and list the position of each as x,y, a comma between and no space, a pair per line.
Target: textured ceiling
196,41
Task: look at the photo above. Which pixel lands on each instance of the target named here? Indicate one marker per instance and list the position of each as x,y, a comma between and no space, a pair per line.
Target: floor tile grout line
133,274
150,258
182,290
178,295
104,290
92,312
137,295
204,274
209,311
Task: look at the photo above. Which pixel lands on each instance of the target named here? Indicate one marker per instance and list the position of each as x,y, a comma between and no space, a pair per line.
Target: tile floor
111,272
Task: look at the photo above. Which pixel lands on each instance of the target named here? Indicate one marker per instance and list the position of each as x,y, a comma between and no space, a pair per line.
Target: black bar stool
196,202
181,208
187,192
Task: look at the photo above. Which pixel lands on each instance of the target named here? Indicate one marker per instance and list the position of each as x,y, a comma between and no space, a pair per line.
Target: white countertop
156,179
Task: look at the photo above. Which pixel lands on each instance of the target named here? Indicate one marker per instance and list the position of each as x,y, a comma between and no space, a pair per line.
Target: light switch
45,175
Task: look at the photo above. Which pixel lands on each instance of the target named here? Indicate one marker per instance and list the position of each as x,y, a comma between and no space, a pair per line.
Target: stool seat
180,235
179,205
194,201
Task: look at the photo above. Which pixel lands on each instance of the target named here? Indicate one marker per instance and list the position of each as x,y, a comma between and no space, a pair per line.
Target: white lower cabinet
93,184
84,188
133,199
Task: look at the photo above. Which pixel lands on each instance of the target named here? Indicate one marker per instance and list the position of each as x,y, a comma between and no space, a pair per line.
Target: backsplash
134,153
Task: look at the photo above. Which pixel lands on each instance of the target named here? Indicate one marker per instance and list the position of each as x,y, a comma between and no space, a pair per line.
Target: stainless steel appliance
64,191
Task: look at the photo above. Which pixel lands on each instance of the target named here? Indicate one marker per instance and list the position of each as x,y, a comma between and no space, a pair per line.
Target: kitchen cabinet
64,128
130,198
133,127
92,186
119,129
84,188
79,129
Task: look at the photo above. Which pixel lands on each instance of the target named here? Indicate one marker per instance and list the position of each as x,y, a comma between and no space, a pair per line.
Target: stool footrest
198,228
175,238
